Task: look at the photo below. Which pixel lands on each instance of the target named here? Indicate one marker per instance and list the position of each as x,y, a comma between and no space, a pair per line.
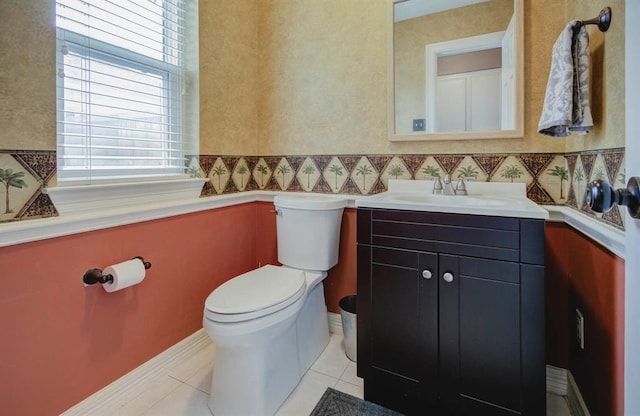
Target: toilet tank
308,228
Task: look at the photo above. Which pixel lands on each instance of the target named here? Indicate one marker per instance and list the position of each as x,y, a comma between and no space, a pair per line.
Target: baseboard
132,384
561,382
335,323
117,394
108,400
576,404
556,380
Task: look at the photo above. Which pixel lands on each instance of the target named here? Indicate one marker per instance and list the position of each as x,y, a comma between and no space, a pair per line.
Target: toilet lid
266,289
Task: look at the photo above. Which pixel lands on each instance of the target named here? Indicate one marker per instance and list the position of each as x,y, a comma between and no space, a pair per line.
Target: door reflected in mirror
455,69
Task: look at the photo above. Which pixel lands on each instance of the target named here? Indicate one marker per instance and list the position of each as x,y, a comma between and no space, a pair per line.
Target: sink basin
494,199
450,200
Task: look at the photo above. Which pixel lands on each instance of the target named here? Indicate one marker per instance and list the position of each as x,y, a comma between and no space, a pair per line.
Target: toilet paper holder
93,276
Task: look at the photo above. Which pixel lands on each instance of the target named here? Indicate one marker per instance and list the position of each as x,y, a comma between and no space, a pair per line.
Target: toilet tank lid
310,202
256,290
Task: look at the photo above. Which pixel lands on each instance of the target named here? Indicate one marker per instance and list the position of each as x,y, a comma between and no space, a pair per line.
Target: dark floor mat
336,403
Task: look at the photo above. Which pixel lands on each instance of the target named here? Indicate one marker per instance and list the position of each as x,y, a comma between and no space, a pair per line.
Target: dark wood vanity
451,312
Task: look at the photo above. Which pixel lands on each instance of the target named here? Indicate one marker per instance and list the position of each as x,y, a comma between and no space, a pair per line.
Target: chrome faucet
461,188
448,187
437,186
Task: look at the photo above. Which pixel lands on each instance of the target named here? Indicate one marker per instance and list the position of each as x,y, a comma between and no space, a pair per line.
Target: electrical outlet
580,328
419,124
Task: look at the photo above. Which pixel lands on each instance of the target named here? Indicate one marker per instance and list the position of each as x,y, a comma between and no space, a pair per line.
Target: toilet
270,324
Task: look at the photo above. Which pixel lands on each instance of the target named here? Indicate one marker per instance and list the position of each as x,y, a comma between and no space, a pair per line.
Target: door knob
448,277
427,274
601,197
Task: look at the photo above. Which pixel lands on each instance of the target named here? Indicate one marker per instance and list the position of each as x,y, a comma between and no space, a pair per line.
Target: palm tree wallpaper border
10,179
552,179
23,175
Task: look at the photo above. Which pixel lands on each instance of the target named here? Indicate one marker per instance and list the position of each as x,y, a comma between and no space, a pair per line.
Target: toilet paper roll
125,274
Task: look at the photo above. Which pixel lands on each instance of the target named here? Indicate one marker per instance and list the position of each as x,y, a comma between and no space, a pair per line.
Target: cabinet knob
427,274
448,277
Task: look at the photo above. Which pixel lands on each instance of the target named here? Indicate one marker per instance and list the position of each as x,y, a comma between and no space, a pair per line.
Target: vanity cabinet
451,312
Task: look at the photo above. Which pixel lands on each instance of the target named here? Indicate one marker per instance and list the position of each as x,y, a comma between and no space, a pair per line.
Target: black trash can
349,325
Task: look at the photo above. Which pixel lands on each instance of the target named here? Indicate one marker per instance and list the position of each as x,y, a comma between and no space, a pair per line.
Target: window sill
103,197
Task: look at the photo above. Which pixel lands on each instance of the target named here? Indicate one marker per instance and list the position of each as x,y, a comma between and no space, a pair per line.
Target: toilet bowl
270,324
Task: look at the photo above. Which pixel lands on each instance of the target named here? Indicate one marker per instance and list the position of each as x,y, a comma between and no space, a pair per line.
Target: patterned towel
566,103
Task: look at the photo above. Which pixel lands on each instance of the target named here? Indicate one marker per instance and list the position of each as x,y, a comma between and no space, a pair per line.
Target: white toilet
270,324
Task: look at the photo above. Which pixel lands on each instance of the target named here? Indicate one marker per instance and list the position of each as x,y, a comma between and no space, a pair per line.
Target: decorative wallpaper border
585,167
23,174
551,178
544,173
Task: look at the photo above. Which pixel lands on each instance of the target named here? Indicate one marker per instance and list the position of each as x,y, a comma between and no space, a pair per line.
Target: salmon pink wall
556,259
582,274
596,287
266,242
62,341
341,280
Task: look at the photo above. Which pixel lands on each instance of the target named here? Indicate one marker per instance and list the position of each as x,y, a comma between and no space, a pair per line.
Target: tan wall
305,77
333,55
322,76
607,76
228,77
27,75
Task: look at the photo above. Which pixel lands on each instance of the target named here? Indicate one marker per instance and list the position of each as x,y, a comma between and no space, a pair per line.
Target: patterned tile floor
185,391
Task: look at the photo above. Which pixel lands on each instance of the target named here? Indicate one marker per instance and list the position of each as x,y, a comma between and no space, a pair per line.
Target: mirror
455,69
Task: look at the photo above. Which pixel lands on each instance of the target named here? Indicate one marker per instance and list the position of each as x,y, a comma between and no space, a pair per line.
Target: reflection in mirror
456,69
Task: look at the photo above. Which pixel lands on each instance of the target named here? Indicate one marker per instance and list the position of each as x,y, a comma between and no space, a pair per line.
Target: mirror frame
516,133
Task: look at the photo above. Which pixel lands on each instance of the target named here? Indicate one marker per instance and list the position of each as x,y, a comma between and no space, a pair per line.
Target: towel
566,102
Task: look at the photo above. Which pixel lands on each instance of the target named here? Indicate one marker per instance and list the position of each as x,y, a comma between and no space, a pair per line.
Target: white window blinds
124,89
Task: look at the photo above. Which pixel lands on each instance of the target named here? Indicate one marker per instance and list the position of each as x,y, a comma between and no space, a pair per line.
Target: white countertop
484,198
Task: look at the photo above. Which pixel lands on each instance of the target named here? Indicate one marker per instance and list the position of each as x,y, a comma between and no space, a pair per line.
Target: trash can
349,327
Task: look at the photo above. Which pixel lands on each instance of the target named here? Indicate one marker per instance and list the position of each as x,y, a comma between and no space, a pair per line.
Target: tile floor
185,391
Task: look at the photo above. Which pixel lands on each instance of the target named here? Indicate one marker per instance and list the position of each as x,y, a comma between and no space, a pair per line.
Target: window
125,91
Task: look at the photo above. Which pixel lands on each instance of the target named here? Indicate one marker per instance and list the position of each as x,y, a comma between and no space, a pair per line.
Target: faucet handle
461,188
437,186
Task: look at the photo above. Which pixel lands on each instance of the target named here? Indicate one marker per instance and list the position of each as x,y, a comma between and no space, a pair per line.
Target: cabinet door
403,344
480,345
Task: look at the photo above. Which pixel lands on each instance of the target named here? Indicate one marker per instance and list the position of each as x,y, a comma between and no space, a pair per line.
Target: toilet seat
254,294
